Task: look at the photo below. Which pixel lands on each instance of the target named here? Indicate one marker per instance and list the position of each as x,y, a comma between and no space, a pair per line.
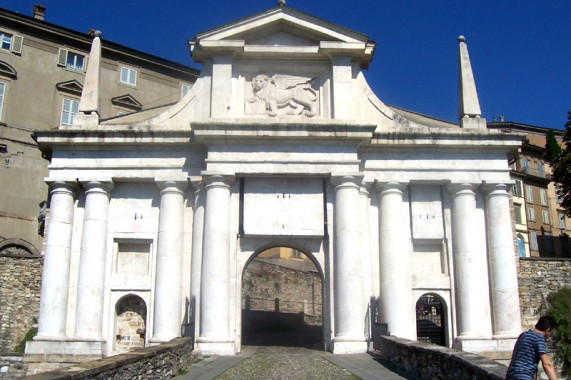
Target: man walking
529,350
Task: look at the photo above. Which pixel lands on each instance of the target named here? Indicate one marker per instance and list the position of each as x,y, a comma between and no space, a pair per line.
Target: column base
48,355
348,346
496,349
216,346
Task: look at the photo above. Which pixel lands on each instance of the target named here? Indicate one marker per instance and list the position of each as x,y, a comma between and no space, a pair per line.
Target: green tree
562,169
552,148
560,310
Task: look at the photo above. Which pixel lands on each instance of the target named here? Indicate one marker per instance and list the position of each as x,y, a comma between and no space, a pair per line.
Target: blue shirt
527,351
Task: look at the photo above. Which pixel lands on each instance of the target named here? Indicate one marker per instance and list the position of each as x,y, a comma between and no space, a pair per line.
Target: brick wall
20,280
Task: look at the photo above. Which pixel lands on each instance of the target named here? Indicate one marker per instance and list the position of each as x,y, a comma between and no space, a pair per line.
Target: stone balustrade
428,361
157,362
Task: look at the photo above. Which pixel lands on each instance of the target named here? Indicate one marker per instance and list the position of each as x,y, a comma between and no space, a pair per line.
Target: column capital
461,188
392,186
58,185
497,188
340,179
179,184
196,182
213,179
105,184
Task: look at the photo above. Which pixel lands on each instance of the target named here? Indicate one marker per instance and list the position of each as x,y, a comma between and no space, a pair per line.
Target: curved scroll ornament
285,94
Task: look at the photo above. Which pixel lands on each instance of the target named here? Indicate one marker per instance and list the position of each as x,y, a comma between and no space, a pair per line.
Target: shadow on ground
261,328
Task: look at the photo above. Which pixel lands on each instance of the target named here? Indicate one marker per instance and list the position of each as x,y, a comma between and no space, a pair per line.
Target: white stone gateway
280,142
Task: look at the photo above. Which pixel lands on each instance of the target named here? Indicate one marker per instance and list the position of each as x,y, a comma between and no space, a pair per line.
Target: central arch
282,299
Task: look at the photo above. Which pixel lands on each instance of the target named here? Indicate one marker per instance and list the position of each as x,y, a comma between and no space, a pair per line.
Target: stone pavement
291,363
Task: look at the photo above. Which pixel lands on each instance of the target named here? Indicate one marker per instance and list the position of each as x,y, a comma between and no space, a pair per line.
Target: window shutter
17,43
62,57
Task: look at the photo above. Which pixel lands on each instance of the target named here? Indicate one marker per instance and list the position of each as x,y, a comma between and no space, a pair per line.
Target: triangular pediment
283,18
268,32
126,101
70,86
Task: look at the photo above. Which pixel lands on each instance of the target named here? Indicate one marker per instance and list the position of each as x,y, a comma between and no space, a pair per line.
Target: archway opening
282,297
430,319
131,312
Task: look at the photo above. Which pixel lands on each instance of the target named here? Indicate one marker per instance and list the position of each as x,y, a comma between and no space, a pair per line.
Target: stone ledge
427,361
96,368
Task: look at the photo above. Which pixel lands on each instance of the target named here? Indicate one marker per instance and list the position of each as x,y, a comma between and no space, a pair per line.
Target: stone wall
297,290
20,280
152,363
12,366
537,278
427,361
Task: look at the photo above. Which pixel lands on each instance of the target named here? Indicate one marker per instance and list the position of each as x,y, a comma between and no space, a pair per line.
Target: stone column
397,308
349,309
506,316
91,281
167,316
55,274
471,307
197,232
365,240
215,288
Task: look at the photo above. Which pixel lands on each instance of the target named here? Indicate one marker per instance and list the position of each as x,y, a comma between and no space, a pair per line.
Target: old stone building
42,75
280,143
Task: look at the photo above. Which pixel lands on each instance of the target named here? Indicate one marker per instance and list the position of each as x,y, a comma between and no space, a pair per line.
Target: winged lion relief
285,94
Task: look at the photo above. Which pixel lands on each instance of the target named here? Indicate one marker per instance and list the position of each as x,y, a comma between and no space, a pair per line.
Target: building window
5,40
529,194
518,188
71,60
184,89
525,165
559,194
10,42
520,246
128,76
561,216
531,214
75,61
545,216
2,92
543,196
533,238
69,109
517,211
540,170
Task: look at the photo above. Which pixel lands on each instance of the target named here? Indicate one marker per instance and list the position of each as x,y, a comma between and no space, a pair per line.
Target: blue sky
520,50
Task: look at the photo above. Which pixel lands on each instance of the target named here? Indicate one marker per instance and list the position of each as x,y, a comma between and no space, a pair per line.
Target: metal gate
430,320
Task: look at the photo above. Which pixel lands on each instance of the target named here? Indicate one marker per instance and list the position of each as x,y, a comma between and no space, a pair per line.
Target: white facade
280,142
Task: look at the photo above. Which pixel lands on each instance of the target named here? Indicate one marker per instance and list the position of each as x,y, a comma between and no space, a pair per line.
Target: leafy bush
29,336
560,310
